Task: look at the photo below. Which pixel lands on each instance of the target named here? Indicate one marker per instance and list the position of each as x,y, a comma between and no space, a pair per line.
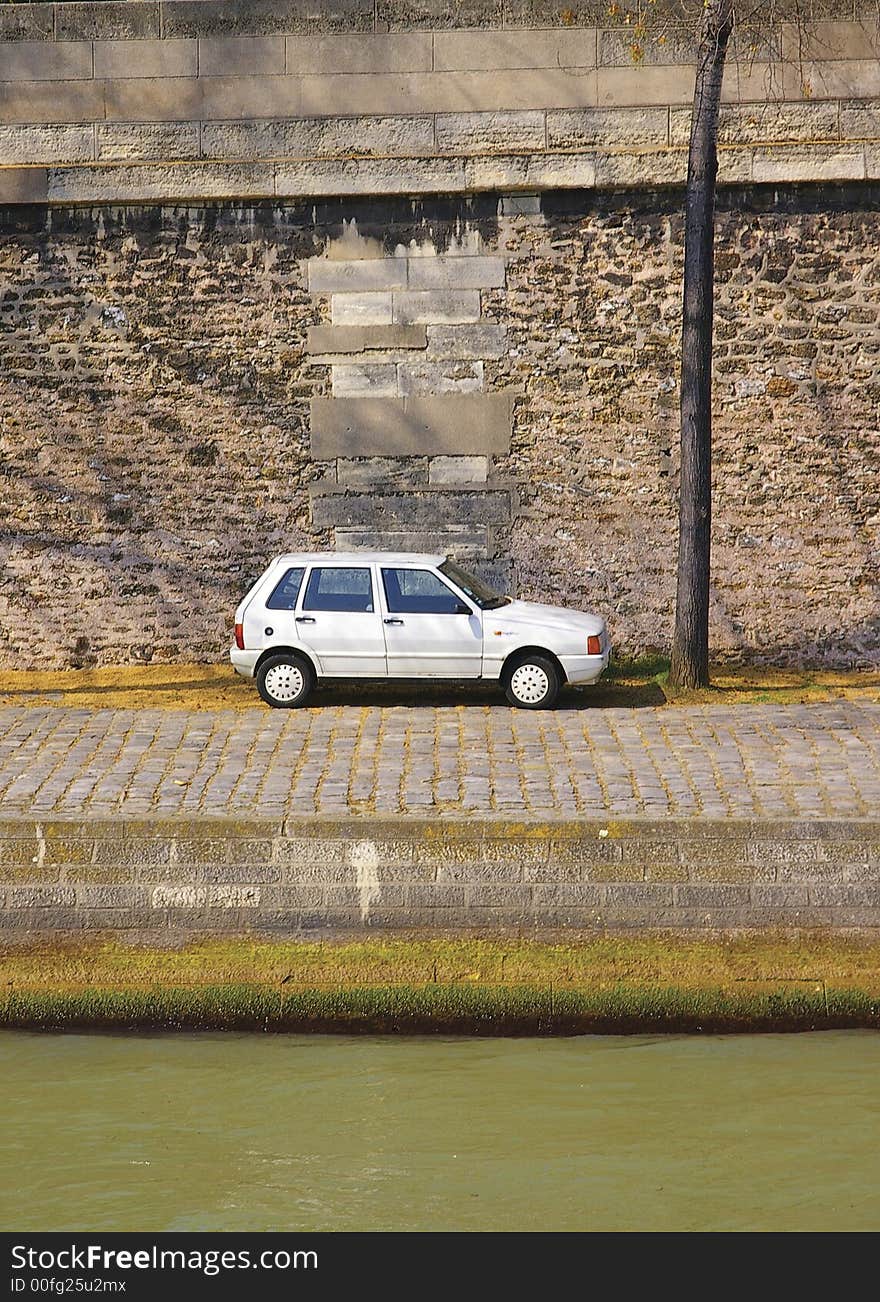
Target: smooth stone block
364,379
371,53
330,277
52,101
458,470
361,309
451,424
672,84
420,307
523,48
255,96
146,59
449,92
836,40
148,99
455,272
23,185
45,60
363,338
241,56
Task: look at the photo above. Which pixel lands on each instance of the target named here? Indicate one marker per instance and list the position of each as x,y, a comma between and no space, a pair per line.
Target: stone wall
231,99
155,878
157,382
223,336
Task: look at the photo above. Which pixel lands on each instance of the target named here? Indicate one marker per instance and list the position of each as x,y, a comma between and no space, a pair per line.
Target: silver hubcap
285,682
529,684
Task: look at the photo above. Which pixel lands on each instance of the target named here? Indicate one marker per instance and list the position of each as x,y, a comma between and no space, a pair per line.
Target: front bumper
244,662
585,669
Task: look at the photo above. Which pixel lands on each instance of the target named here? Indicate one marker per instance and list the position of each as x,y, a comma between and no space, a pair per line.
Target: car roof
360,558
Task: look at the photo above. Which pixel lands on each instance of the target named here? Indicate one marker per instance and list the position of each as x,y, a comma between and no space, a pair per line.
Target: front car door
338,617
430,631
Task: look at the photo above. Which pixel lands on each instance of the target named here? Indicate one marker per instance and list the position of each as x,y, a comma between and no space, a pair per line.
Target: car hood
531,614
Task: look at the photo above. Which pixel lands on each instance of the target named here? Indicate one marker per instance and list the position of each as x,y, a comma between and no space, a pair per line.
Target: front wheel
533,683
285,680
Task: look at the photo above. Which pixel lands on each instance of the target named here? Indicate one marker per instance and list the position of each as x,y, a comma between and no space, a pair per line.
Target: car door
275,617
430,630
339,618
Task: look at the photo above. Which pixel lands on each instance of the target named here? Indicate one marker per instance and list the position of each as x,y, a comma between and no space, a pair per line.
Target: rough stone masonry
276,278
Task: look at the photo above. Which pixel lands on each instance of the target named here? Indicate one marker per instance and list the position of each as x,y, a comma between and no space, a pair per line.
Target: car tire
286,680
533,682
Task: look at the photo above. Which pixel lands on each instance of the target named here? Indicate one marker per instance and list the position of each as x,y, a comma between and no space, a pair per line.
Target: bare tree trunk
690,646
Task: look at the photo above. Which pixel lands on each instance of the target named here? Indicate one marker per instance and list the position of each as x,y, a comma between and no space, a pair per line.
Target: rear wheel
285,680
532,683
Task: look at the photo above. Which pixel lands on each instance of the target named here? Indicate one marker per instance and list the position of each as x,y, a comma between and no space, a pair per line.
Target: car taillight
594,645
239,636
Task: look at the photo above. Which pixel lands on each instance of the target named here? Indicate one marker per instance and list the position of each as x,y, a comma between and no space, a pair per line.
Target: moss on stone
473,986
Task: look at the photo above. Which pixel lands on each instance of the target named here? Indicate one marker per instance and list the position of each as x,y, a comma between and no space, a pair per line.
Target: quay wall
279,276
161,879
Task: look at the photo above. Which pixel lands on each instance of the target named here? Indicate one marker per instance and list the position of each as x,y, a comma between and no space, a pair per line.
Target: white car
392,615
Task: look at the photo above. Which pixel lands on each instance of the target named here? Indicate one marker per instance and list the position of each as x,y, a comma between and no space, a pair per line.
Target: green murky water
248,1133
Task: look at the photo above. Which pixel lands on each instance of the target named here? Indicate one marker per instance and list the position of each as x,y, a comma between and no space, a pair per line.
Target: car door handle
393,621
305,619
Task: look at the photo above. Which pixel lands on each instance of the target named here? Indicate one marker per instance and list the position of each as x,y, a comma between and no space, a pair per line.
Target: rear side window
418,592
339,588
285,593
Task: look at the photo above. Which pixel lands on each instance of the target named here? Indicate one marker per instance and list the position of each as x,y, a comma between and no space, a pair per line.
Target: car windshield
478,591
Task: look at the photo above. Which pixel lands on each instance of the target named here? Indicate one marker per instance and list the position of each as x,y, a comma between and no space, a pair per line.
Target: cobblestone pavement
818,760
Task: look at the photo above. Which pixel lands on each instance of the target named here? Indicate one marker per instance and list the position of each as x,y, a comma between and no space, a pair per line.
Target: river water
243,1132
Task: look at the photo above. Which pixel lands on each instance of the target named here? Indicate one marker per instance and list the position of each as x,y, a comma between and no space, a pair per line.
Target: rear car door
278,612
338,618
430,631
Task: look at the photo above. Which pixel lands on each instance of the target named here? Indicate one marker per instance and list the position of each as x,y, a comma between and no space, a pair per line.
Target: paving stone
448,750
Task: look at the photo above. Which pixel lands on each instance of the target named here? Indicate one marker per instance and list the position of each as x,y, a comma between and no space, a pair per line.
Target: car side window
339,588
286,591
418,592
